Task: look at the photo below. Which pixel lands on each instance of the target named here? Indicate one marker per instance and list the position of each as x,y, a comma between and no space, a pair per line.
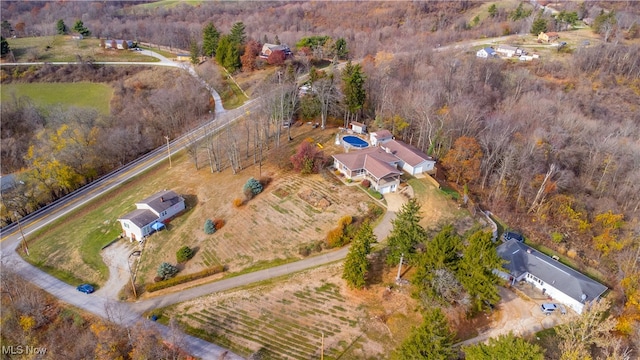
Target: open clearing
79,94
266,231
62,48
288,319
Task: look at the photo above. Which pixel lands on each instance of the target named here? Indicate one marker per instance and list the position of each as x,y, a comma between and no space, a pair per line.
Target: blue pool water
355,141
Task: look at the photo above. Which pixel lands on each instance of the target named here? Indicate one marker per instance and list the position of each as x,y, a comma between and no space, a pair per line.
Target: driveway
519,315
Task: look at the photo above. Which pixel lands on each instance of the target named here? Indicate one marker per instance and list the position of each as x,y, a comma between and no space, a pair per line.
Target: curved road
128,314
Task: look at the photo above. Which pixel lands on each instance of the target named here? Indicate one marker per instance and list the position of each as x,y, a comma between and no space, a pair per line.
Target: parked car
86,288
548,308
509,235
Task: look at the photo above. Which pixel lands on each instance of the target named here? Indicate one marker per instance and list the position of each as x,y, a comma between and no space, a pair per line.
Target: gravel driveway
116,257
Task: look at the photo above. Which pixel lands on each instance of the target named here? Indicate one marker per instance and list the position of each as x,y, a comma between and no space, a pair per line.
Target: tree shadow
190,201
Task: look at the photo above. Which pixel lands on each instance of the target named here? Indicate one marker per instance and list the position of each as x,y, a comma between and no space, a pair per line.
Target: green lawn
69,248
83,94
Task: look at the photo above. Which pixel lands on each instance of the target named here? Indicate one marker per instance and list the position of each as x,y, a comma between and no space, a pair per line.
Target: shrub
184,253
237,202
184,278
308,158
375,194
209,228
366,183
304,251
334,237
218,223
254,186
166,270
344,221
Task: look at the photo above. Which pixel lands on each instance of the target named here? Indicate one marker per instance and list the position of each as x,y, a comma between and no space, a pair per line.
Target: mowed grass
69,248
62,48
82,94
169,4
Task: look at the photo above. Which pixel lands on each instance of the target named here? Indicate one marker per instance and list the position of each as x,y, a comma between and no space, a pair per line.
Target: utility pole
399,268
24,240
133,281
168,151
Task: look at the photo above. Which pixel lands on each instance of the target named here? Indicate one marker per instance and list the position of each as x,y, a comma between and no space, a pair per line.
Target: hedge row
184,278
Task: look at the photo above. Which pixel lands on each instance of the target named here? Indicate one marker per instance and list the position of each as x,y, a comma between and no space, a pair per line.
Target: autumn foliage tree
248,59
463,160
308,159
277,57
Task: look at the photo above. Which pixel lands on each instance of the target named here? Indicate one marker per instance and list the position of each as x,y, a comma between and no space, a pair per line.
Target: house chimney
161,198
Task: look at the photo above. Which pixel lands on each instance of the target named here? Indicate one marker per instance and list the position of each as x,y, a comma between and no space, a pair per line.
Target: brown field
287,319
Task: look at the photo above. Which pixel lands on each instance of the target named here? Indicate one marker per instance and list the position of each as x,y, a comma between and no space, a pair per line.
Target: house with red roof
411,159
374,164
381,165
150,214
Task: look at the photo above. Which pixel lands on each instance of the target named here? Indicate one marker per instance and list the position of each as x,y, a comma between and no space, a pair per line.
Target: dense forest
550,146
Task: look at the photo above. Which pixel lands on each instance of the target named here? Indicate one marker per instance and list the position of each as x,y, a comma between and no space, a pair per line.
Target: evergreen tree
210,37
539,25
505,347
6,29
353,88
276,40
475,270
432,340
81,29
238,35
194,51
356,264
406,233
4,46
254,186
493,10
221,51
209,227
434,277
61,27
166,270
341,50
184,254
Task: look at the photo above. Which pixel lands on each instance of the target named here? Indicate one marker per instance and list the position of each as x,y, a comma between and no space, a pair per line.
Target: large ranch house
383,163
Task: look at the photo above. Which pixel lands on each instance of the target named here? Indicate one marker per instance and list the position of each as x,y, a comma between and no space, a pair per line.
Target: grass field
70,247
83,94
61,48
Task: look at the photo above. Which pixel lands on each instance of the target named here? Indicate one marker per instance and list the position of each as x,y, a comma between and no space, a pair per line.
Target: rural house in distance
150,214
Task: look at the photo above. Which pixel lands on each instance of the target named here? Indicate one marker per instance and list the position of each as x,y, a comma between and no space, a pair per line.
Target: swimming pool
355,141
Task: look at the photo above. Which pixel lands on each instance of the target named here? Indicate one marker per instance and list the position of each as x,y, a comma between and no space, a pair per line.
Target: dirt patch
314,199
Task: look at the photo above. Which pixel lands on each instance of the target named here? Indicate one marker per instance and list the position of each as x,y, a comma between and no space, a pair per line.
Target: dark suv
512,235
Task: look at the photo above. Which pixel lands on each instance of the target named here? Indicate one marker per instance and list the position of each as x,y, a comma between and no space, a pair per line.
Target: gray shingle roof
140,217
162,200
523,259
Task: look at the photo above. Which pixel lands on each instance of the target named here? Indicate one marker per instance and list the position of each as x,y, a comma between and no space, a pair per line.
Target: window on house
126,225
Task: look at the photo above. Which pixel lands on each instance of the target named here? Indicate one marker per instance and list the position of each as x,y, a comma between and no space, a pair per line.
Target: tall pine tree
475,270
356,265
406,233
432,340
210,37
238,35
354,93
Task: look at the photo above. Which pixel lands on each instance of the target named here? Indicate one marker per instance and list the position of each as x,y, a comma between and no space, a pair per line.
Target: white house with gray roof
553,278
150,214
